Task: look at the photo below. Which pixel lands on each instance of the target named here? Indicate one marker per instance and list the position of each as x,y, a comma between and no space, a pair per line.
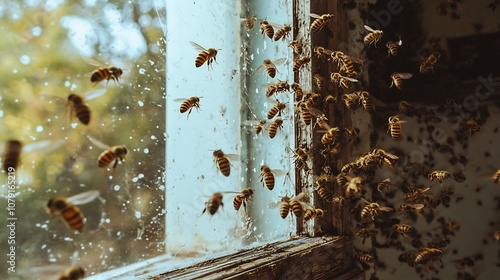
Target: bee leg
189,112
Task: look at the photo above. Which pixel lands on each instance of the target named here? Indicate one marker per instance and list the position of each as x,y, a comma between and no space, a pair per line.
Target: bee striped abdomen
82,112
238,200
73,218
105,158
201,59
224,166
99,75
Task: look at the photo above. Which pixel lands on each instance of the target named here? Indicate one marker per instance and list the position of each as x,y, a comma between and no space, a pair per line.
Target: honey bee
330,136
417,195
426,254
205,55
345,62
270,66
366,233
223,163
300,156
438,175
406,108
212,205
365,260
249,22
496,177
296,46
274,126
276,110
470,125
260,126
321,52
267,29
429,62
395,127
353,187
66,209
297,207
320,81
385,184
297,90
104,72
366,101
342,81
81,110
267,176
372,209
285,206
373,37
405,230
115,153
393,47
397,79
305,113
283,32
312,212
351,100
12,155
411,210
245,195
320,21
188,104
73,273
298,63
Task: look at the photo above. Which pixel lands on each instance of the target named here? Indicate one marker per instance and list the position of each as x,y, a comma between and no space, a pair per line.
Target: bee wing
95,93
93,62
400,42
313,15
84,197
405,75
233,157
417,206
98,143
198,47
279,61
385,209
350,79
278,172
46,146
369,28
180,99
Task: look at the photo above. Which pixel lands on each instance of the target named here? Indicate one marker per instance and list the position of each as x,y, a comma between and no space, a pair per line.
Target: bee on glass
115,153
267,176
267,29
213,204
373,37
188,104
270,66
276,110
104,72
11,156
222,161
274,126
496,177
77,107
439,175
66,209
242,197
206,55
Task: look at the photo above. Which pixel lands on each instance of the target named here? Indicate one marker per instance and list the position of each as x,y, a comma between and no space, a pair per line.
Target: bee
366,101
300,156
267,29
393,47
417,196
296,46
270,66
395,127
426,254
213,204
115,153
405,230
223,162
298,63
496,177
373,37
66,209
276,110
312,212
366,233
104,72
250,22
365,260
320,81
188,104
351,100
12,155
321,121
206,55
297,90
274,126
260,126
305,113
347,63
372,209
267,176
320,21
81,110
321,52
438,175
73,273
397,79
330,136
406,108
353,187
285,206
245,195
283,32
496,234
429,62
323,186
470,125
330,99
342,81
411,210
385,184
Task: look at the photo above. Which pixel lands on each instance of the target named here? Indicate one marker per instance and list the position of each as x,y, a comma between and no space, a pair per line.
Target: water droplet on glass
116,187
140,103
142,71
146,151
25,59
39,128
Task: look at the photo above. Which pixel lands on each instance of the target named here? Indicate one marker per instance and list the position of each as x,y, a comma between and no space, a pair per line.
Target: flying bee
283,32
188,104
320,21
274,126
496,177
342,81
206,55
384,185
66,209
426,254
411,210
298,63
405,230
320,81
373,37
347,63
11,156
417,195
245,195
366,233
428,63
365,260
267,29
312,212
438,175
406,108
276,110
213,204
305,113
372,210
366,101
73,273
353,187
223,163
267,176
323,186
397,79
321,52
104,72
270,66
81,110
395,127
284,206
393,47
330,136
115,153
296,46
